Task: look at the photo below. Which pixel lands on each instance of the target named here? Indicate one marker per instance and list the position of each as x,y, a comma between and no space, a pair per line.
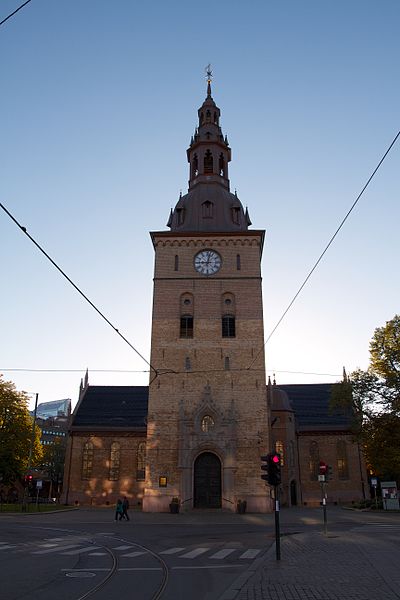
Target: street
84,553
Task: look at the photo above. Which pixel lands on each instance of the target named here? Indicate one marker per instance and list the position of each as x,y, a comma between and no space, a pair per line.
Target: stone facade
98,488
206,375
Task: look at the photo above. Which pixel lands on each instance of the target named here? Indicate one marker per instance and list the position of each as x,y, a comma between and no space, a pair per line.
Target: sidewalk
346,566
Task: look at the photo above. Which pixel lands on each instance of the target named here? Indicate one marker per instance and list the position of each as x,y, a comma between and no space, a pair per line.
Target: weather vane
208,73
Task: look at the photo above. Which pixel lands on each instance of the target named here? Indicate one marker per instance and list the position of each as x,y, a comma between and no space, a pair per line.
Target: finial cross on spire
209,78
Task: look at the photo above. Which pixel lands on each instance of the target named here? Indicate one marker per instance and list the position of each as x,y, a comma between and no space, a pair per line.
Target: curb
235,588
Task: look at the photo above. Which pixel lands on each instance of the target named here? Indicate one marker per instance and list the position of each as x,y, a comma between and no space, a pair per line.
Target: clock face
207,262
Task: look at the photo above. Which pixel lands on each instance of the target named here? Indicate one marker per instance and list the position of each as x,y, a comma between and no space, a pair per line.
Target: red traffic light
323,468
276,458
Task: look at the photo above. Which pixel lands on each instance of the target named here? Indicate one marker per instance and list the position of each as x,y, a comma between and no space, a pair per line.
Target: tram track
113,570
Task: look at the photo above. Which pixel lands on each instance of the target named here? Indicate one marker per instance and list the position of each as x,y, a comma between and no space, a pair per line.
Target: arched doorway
207,481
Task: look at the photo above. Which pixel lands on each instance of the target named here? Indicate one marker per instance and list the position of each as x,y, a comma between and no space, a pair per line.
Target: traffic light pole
323,490
277,524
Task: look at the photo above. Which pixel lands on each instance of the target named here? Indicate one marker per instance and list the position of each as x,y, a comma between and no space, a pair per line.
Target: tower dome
209,205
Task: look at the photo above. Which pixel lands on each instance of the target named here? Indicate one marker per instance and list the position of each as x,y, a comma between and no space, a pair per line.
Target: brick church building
197,432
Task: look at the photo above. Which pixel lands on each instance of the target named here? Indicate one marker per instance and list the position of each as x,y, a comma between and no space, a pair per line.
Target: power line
73,370
326,248
15,11
77,288
162,372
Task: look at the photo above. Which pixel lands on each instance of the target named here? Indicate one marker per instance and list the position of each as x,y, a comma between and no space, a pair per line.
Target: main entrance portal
207,481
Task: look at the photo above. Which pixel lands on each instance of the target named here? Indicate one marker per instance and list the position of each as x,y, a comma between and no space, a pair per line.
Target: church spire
209,205
209,152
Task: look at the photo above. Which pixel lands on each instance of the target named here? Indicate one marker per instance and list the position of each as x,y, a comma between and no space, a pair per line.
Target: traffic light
28,479
323,468
272,468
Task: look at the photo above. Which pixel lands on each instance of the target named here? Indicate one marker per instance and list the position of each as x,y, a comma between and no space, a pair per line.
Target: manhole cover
80,574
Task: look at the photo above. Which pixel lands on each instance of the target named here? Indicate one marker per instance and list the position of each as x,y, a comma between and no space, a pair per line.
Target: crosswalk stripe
6,546
251,553
57,549
98,554
172,551
81,550
223,553
122,547
137,553
194,553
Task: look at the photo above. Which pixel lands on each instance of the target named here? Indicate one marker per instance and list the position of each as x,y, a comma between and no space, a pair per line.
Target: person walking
119,510
125,506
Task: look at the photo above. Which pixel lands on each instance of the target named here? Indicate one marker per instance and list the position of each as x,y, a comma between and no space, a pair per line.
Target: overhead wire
14,12
326,248
23,229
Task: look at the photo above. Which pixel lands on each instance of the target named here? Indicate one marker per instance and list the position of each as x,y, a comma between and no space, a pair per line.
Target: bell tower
207,416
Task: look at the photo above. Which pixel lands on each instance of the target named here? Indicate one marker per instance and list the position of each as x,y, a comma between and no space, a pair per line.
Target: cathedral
198,431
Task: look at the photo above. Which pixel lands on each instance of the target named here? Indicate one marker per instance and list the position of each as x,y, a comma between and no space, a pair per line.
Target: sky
98,102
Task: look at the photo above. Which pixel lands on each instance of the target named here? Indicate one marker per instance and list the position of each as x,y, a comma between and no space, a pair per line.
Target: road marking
132,554
251,553
81,550
57,549
223,553
6,546
120,569
98,554
122,547
172,551
209,567
194,553
48,545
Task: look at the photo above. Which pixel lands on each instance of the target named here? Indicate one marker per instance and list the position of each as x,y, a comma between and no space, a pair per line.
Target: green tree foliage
15,433
373,396
52,462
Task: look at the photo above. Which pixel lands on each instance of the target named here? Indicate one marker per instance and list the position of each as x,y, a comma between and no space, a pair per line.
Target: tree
373,398
52,463
16,433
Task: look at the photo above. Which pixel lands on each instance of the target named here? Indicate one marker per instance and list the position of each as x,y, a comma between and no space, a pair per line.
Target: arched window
207,209
141,462
221,165
314,461
176,262
208,116
115,457
236,215
227,363
342,462
238,262
208,162
215,119
207,423
186,329
87,460
228,326
188,365
180,215
279,448
291,453
195,166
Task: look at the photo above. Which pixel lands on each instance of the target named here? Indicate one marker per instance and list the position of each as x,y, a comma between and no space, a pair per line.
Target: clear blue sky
98,102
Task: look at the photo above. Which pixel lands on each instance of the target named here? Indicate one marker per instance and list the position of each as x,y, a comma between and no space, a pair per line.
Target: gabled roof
311,407
103,406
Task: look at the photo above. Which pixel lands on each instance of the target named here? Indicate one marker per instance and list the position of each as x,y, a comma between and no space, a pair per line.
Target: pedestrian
125,506
119,510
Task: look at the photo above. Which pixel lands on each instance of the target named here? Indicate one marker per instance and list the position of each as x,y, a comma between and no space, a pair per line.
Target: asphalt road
84,553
